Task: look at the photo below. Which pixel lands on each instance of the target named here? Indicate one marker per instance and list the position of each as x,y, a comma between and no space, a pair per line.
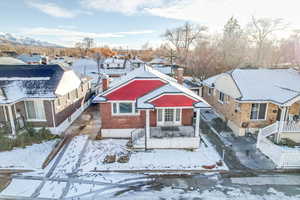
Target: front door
278,114
168,117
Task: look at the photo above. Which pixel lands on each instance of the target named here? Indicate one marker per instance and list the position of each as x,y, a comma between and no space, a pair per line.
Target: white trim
5,114
35,120
266,113
181,93
53,113
133,113
12,121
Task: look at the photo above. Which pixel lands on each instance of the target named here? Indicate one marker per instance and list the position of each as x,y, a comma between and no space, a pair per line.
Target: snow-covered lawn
70,158
150,160
30,157
21,187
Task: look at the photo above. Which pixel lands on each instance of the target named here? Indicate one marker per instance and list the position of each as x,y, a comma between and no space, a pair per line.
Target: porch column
281,123
197,125
11,120
147,123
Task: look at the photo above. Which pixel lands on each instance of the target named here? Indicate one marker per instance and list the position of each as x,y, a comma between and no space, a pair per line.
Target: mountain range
7,38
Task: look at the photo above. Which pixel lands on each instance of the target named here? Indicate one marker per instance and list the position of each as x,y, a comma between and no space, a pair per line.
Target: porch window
35,110
221,97
258,111
159,115
124,108
178,113
168,117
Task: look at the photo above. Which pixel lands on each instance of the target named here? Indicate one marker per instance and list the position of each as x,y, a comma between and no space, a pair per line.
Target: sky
131,23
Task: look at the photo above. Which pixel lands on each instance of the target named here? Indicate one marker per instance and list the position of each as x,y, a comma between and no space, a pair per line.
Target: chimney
105,82
179,75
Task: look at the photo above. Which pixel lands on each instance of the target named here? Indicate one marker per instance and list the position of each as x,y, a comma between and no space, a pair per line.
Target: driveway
240,152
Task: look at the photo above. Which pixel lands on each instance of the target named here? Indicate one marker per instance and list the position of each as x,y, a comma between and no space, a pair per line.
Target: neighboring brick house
48,96
152,109
251,99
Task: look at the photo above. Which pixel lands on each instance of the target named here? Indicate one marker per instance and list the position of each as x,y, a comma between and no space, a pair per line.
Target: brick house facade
238,113
144,102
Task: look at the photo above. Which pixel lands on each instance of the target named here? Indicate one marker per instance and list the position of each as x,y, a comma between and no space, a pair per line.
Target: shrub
28,137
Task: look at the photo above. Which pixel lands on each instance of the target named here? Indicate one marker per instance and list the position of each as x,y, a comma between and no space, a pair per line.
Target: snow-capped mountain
27,41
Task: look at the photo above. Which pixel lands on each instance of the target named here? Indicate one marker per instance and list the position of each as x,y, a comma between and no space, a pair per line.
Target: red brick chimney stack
105,82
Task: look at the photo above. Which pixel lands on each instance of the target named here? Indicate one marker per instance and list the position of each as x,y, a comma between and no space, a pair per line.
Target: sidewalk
243,148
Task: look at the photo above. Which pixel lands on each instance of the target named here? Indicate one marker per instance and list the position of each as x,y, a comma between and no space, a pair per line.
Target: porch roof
173,89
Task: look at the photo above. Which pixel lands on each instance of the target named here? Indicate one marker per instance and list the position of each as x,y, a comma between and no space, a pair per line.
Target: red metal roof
135,89
179,100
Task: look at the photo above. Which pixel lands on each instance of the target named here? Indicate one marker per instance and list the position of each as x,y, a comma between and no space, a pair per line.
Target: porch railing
4,128
136,134
289,126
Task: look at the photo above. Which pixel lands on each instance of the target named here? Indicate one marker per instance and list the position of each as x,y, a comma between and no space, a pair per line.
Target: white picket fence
283,157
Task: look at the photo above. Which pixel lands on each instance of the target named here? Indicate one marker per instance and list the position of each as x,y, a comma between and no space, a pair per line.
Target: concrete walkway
244,148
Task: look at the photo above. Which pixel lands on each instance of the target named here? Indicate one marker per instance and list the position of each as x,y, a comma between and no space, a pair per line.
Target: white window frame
37,119
224,98
133,113
174,122
266,112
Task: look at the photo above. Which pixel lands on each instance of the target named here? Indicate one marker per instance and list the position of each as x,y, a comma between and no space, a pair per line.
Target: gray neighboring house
48,96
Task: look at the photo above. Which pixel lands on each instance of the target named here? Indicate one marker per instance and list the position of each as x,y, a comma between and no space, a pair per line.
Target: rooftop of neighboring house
158,61
144,84
18,82
191,82
11,61
280,86
136,60
35,58
89,67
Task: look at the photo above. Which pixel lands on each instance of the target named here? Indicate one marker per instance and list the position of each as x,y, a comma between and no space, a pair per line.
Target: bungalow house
48,96
152,109
253,100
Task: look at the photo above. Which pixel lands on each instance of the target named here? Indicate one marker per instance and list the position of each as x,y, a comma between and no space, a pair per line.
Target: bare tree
260,31
182,39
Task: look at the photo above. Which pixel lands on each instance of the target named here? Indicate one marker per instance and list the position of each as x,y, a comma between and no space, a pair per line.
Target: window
68,96
221,97
115,111
124,108
210,90
258,111
169,115
159,115
177,118
35,110
76,94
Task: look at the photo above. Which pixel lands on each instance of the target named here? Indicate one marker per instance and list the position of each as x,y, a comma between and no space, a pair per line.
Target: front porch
174,137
